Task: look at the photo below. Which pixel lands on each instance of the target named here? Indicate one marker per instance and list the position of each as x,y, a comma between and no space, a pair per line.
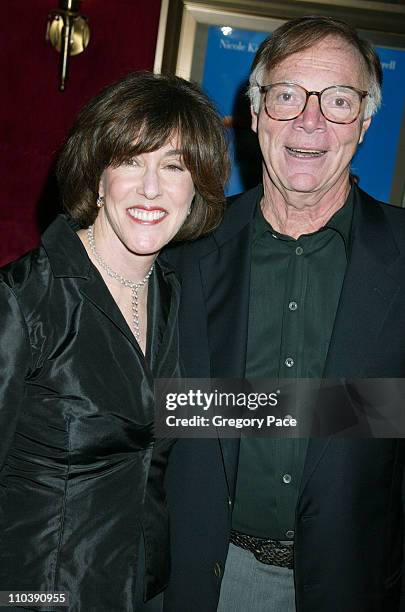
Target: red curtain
36,116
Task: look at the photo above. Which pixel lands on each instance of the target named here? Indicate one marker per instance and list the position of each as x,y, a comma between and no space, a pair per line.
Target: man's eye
286,97
340,103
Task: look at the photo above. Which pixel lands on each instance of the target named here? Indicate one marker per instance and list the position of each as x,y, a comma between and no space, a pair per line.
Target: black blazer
349,519
76,419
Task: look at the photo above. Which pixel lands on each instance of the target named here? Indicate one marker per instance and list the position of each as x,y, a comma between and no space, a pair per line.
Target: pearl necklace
124,281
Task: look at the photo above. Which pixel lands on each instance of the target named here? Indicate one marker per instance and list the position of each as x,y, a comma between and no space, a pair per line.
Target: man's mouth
305,153
145,215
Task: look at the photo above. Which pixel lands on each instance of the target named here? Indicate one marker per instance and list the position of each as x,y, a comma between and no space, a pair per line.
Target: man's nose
150,183
311,118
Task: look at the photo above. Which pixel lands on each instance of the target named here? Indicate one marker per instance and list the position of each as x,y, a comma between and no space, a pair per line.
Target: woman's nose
150,184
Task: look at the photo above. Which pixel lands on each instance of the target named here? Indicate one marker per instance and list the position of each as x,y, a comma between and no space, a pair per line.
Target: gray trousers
251,585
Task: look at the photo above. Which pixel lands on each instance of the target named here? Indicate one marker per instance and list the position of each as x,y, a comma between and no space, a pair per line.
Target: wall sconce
69,33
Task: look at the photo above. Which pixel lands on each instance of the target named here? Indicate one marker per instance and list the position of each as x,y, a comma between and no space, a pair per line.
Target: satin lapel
368,290
163,311
94,290
68,258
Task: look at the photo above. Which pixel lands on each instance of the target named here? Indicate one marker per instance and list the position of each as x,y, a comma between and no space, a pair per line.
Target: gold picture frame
179,20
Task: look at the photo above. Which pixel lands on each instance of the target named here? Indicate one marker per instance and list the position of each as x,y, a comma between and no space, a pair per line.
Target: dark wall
35,116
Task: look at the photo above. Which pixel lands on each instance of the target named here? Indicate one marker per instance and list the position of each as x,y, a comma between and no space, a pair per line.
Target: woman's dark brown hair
138,114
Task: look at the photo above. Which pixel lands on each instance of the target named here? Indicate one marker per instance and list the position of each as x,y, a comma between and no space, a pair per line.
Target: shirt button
287,478
293,305
289,534
299,250
289,362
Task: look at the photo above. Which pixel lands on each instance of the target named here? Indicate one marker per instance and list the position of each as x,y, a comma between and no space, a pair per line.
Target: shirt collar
340,222
67,255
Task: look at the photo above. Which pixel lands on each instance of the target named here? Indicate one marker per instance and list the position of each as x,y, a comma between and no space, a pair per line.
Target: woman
88,321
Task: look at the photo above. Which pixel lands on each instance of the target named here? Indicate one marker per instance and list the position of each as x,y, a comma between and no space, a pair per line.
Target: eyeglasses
338,104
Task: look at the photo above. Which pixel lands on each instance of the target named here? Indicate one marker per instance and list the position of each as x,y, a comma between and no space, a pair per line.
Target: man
303,279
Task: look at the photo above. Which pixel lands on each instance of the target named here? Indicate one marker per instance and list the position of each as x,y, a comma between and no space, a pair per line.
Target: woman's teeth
146,215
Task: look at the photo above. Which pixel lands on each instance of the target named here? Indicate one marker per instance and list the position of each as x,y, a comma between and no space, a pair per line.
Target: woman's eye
131,162
174,166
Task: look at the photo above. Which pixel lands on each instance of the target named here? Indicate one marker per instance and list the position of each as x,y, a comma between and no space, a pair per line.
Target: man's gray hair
302,33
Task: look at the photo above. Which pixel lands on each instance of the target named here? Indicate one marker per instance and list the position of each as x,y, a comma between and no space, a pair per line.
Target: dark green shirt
295,287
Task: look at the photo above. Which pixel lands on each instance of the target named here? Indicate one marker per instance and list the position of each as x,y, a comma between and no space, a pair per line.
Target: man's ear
255,118
364,128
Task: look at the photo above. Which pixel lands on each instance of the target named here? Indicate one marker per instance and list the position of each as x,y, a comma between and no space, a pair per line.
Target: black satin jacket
76,429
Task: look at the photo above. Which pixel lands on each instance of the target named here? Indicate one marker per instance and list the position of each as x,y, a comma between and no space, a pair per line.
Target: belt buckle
271,552
262,549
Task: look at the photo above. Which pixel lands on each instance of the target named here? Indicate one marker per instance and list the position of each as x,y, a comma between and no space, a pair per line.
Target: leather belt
270,552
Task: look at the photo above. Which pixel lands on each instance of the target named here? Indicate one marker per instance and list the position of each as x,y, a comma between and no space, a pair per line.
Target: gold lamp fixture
69,33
